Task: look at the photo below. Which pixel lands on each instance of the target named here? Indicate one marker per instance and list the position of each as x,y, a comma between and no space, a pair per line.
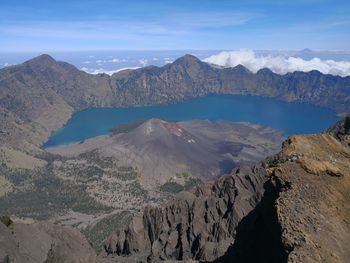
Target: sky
72,25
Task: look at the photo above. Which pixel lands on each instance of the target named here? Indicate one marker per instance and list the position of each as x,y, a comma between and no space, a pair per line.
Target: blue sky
105,24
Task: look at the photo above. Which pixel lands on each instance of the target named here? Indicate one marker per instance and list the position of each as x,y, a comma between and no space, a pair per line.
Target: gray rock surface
196,225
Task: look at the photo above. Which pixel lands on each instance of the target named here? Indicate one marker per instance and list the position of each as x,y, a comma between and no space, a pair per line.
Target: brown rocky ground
314,206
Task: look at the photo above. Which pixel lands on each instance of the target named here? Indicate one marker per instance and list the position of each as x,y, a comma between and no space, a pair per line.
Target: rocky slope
43,242
38,96
292,208
313,207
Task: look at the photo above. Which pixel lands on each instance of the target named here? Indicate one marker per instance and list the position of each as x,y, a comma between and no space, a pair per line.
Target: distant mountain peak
264,71
306,50
241,69
41,62
44,58
187,59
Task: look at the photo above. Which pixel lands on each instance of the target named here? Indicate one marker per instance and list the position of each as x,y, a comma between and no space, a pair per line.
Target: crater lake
287,117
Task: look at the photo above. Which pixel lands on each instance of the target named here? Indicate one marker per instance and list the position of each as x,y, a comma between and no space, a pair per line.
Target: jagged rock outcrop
43,242
295,207
341,130
194,225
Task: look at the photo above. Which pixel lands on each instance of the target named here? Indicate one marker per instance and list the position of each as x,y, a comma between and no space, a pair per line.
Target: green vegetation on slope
97,233
41,195
180,182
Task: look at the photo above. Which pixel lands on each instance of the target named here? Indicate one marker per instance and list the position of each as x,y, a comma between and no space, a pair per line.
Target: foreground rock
293,208
313,206
43,242
195,225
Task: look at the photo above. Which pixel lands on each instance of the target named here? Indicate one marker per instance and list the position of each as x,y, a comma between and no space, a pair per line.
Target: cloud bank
101,70
278,63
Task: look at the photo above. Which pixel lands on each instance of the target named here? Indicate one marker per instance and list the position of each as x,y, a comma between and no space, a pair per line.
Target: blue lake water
289,118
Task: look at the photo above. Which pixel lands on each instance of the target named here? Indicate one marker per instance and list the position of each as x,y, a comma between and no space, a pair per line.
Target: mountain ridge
39,96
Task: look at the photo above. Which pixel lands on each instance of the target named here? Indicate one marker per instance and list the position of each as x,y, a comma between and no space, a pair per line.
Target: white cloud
168,60
6,64
114,60
87,62
278,63
143,62
101,70
117,60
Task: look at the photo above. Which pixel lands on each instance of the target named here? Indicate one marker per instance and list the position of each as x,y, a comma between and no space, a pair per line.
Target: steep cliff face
295,207
43,242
